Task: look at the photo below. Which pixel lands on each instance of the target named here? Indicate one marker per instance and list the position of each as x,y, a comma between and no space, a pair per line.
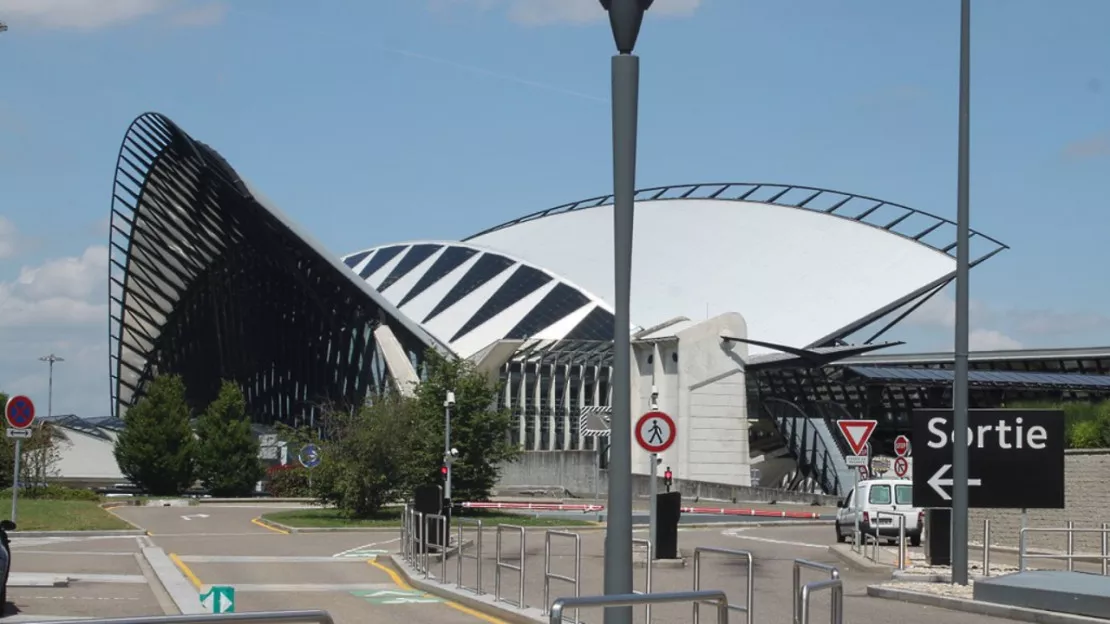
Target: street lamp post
50,359
960,365
448,452
625,18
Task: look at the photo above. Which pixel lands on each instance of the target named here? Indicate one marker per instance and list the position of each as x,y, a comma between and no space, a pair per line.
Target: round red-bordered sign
901,467
20,412
655,431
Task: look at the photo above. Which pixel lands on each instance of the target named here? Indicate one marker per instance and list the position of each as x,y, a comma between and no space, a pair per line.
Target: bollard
987,547
1071,545
1105,547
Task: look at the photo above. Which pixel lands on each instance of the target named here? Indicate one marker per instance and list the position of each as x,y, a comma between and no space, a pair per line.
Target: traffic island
961,598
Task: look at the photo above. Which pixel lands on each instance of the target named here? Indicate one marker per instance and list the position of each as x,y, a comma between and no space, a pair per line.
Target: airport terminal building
758,309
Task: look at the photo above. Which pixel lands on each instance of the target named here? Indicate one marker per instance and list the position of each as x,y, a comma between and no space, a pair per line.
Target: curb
181,591
573,528
261,500
1021,614
483,603
114,533
858,561
108,507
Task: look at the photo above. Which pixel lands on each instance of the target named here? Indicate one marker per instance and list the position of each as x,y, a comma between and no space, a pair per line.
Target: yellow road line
185,570
400,582
258,521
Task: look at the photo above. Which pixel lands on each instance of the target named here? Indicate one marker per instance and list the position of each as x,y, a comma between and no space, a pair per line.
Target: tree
371,456
1086,425
156,449
227,449
478,429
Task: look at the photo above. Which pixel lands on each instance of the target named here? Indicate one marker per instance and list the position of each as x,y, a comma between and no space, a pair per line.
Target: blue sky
375,121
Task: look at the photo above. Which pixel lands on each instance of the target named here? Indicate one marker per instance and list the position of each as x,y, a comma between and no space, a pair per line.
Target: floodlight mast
625,19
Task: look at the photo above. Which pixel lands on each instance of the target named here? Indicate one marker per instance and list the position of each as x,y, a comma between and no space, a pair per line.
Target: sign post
1002,443
20,413
655,432
857,433
309,458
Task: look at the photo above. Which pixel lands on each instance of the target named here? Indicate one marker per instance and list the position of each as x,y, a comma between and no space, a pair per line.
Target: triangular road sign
857,433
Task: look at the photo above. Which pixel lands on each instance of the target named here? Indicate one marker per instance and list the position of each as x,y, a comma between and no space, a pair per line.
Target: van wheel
915,540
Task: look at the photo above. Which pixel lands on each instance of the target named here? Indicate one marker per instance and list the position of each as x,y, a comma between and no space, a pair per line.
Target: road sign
309,456
19,433
864,474
901,446
901,467
219,599
20,412
655,431
880,465
1015,458
856,460
857,433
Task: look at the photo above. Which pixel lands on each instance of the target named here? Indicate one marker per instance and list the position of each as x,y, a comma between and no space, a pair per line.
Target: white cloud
990,340
69,291
96,14
9,240
542,12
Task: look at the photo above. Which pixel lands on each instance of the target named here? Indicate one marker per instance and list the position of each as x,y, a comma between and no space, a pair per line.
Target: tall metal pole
625,18
959,387
448,458
50,359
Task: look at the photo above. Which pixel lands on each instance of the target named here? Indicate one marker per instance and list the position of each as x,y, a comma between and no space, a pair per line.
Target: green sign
396,597
219,599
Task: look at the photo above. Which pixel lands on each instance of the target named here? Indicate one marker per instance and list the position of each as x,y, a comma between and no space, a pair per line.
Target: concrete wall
1086,494
575,471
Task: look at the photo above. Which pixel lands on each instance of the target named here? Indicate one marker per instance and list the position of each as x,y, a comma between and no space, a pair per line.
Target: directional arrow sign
938,482
1015,458
190,517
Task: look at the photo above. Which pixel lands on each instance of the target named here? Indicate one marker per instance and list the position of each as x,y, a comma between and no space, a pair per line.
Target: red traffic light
443,470
667,475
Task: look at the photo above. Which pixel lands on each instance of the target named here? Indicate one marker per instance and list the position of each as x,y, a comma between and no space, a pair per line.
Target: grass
63,515
391,517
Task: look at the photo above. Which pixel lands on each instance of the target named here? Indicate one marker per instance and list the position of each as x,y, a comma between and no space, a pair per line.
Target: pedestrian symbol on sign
656,432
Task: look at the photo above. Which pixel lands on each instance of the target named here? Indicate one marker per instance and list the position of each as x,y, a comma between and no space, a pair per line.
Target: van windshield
879,495
903,494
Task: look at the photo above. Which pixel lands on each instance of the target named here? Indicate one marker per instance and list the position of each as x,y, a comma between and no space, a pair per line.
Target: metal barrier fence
500,565
901,538
548,575
1070,556
461,555
442,529
314,616
649,563
716,597
802,594
746,609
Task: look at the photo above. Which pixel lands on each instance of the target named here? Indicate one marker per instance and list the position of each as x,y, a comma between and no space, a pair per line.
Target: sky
376,121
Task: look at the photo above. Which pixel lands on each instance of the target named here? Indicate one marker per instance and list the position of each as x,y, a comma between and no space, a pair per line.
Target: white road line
737,533
77,553
310,587
261,559
202,534
369,546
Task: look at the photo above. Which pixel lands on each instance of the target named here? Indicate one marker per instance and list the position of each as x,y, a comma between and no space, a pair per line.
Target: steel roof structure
210,281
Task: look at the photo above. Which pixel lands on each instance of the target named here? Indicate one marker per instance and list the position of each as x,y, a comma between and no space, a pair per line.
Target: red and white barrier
533,506
758,513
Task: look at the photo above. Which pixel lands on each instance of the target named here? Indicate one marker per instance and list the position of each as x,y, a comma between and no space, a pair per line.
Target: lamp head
625,18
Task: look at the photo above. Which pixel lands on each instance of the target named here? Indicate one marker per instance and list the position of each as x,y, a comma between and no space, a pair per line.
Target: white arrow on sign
937,483
194,516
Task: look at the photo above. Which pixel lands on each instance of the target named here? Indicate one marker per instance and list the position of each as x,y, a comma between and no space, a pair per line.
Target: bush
1086,425
227,449
53,492
288,482
156,449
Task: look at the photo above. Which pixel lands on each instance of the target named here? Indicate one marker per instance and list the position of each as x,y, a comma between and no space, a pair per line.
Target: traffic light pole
653,493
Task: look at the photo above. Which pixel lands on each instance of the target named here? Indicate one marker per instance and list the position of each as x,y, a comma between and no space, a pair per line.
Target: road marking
400,582
185,570
396,597
737,534
258,522
260,559
25,597
285,588
240,534
78,553
361,551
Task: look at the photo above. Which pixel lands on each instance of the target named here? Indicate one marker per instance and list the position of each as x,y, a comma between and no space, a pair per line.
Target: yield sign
857,433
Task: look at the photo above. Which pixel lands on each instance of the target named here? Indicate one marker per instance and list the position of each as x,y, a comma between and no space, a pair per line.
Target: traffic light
668,478
443,471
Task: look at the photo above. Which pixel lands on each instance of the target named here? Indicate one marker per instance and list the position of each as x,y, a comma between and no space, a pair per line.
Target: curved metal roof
469,296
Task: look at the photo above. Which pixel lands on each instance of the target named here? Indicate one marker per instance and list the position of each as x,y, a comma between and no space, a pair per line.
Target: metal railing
648,565
314,616
873,541
836,599
500,565
746,608
548,575
802,594
461,555
716,597
1070,556
901,537
986,547
442,529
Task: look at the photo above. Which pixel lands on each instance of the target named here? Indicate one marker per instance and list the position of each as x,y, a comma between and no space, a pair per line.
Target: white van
877,503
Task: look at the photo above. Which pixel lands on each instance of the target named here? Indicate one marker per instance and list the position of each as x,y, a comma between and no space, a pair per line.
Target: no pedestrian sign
655,431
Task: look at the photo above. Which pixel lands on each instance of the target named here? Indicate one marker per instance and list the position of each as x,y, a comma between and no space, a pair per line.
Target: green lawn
61,515
391,517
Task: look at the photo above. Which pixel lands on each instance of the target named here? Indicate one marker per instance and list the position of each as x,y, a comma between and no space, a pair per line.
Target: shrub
156,449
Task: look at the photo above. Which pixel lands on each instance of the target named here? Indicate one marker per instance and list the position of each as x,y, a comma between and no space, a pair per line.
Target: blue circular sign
20,412
309,456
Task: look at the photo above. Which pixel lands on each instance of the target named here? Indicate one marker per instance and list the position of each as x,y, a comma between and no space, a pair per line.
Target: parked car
878,503
5,561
